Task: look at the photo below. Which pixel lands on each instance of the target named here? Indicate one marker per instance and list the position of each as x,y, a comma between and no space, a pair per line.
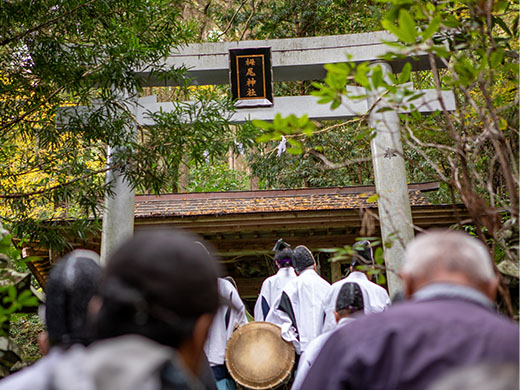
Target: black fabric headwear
280,245
350,298
302,258
363,254
284,257
71,284
157,284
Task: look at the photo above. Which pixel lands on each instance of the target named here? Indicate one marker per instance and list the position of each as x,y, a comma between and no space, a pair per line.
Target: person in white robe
226,320
375,297
272,287
349,302
299,311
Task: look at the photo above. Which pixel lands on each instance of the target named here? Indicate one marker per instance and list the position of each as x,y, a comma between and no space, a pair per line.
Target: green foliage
307,170
406,30
12,298
481,68
24,330
293,18
346,253
472,151
13,302
55,53
216,177
285,126
188,133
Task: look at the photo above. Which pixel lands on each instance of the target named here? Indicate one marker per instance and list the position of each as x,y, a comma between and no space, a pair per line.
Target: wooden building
243,226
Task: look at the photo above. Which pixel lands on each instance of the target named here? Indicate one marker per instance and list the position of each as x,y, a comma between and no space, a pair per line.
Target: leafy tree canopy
86,52
473,150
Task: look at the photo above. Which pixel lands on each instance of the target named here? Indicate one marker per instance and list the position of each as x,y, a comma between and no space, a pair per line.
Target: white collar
310,268
452,290
357,276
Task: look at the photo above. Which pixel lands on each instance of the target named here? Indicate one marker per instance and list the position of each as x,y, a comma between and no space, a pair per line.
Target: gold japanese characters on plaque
250,77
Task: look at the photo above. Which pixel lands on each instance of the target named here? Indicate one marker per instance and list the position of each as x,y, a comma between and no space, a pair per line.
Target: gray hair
449,250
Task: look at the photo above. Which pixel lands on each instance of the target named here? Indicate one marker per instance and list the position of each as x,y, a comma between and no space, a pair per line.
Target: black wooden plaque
250,77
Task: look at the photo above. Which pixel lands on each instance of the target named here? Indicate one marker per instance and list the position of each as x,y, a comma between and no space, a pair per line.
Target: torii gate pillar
118,214
395,214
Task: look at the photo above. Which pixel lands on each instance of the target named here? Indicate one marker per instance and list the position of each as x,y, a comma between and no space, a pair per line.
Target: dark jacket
413,343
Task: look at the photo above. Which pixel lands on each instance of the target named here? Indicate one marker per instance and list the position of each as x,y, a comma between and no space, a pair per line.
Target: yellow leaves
25,175
503,124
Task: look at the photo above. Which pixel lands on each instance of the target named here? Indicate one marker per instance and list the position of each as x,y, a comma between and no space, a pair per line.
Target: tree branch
43,191
232,19
331,165
248,20
47,23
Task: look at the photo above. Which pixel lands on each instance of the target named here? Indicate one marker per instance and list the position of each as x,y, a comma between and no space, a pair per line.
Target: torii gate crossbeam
304,59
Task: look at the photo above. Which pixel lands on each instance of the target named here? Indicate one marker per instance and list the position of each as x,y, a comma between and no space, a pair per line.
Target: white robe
375,297
311,353
226,320
271,290
299,311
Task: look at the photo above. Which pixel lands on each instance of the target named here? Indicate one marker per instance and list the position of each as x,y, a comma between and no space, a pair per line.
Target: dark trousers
220,372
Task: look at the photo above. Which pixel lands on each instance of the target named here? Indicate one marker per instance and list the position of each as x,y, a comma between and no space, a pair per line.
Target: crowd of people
159,315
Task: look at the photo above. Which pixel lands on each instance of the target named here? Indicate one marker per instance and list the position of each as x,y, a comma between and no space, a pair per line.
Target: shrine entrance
252,65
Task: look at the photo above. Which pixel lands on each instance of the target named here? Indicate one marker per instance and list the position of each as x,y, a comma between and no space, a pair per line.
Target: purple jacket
412,344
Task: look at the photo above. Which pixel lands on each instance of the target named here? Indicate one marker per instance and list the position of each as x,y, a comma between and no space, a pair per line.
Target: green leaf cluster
89,53
288,126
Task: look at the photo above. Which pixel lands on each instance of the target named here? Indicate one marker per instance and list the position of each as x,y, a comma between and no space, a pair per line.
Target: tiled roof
337,198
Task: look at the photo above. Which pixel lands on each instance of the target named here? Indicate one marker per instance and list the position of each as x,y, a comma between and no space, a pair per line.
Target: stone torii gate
294,60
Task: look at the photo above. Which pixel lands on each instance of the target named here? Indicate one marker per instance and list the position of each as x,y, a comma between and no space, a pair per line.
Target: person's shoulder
315,345
225,286
270,280
374,325
379,289
336,286
316,278
444,310
30,377
36,375
492,318
325,284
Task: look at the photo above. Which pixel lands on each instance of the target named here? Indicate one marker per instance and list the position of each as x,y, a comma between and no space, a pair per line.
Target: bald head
448,256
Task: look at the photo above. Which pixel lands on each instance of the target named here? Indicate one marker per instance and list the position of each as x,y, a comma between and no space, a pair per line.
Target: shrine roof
261,201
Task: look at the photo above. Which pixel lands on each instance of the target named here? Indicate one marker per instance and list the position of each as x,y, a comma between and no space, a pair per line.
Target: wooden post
335,271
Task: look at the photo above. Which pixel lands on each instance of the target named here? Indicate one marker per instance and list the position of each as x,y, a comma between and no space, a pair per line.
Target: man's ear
408,285
491,289
94,306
